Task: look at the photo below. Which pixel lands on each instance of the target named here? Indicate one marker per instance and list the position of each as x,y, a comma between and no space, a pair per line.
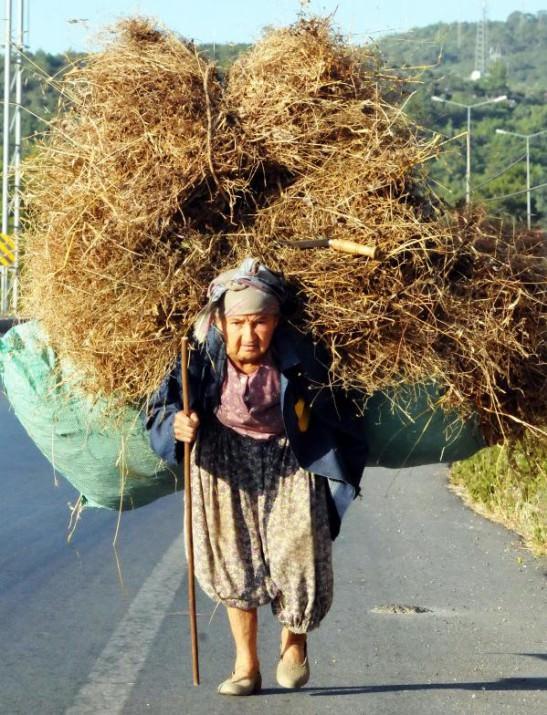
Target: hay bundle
132,217
117,191
456,299
302,93
451,298
119,324
139,131
494,345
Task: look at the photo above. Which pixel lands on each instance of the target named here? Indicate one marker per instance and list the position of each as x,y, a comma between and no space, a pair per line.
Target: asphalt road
87,629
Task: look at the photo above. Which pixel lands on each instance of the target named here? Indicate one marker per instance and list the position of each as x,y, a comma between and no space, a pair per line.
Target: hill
441,57
514,48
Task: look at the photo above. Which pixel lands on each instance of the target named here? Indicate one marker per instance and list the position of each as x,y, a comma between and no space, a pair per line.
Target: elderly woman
277,460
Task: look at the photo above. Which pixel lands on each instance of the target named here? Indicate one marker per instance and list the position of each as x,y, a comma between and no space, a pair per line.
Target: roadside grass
508,484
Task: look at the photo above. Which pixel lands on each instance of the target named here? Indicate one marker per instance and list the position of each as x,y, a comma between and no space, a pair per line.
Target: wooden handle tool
337,244
188,516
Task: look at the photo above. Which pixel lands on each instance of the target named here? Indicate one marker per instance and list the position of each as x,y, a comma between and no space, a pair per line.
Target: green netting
103,453
106,456
405,428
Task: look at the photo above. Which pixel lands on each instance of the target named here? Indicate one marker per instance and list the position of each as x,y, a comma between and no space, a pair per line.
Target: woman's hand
186,427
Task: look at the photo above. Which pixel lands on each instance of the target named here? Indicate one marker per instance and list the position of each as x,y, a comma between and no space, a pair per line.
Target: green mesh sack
104,453
405,427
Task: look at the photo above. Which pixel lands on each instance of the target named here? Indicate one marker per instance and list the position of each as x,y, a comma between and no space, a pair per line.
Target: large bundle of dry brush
160,172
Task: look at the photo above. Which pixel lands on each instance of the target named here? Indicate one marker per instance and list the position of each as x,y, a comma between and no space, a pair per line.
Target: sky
59,25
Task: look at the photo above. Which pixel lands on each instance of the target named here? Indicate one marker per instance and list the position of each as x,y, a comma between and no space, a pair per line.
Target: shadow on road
504,684
540,656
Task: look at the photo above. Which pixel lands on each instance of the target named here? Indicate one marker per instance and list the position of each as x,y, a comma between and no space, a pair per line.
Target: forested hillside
517,46
440,59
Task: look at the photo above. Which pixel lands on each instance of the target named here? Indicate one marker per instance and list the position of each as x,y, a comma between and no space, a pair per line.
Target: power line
515,193
502,171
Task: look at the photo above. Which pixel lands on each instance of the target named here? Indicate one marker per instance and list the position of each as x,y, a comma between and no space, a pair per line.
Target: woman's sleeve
160,415
341,410
163,405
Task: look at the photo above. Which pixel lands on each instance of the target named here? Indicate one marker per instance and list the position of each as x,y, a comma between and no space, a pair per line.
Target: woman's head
245,304
247,317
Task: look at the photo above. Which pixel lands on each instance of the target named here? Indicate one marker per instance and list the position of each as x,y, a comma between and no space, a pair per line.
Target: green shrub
508,484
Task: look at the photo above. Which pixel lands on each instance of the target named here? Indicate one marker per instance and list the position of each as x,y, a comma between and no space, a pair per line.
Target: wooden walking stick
188,515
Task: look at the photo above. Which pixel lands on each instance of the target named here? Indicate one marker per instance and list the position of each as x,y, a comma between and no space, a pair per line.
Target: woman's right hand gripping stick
186,426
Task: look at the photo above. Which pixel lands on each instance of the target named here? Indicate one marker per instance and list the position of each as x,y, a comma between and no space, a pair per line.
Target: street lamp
468,107
528,197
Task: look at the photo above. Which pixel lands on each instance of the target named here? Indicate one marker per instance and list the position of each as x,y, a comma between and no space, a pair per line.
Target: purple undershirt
250,404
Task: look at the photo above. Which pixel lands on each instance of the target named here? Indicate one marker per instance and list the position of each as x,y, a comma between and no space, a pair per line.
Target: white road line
116,670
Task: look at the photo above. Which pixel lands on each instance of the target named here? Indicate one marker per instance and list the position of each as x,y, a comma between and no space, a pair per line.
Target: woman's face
248,337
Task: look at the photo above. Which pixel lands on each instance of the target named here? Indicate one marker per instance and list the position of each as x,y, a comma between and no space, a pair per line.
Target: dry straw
123,195
161,173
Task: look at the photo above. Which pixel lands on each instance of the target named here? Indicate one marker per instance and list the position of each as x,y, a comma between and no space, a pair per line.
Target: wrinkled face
248,337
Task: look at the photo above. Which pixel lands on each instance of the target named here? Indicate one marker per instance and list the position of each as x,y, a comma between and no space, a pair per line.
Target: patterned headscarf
249,288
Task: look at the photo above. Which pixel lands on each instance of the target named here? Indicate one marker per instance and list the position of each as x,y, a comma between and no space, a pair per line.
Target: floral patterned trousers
260,527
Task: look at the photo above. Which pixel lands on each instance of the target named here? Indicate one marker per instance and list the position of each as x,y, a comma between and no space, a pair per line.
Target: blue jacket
323,426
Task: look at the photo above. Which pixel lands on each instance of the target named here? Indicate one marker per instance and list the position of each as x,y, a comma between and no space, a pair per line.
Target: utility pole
468,107
481,42
11,155
527,137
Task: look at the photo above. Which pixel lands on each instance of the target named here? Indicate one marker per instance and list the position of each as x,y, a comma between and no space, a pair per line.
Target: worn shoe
241,686
293,675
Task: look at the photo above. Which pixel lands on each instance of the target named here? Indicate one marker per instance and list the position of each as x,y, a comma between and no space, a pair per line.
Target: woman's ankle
293,646
290,638
246,665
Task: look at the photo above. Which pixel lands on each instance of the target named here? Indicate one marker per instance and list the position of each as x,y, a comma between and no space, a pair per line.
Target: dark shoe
241,686
293,675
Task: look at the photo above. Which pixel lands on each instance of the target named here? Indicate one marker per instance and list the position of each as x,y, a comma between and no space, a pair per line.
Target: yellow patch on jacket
302,410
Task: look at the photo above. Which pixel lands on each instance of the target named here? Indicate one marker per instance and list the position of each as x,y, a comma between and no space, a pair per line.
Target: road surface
85,629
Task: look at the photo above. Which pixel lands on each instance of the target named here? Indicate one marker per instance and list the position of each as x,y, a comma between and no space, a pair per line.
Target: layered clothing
323,425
